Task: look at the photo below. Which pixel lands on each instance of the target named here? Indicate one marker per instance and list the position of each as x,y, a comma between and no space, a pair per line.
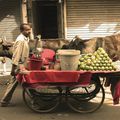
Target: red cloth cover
52,76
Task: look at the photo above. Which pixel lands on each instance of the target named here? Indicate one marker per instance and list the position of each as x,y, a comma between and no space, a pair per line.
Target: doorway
45,19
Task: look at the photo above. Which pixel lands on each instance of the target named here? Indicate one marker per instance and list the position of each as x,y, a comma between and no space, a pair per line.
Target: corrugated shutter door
9,18
92,18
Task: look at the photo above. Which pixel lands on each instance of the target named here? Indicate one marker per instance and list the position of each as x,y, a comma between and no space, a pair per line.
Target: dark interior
45,19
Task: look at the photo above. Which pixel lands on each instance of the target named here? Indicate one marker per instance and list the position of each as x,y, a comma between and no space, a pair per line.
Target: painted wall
9,19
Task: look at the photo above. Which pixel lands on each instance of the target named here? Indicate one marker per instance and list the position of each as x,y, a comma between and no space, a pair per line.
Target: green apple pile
98,61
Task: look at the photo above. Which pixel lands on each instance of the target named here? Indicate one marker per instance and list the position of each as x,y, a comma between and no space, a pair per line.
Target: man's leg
9,92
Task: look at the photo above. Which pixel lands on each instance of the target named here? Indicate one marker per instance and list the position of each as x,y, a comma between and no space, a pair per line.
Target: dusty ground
18,112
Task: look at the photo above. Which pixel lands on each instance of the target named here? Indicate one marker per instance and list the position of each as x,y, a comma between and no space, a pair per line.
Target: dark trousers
10,90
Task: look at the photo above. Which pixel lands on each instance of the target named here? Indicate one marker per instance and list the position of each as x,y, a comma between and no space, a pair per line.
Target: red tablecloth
79,77
52,76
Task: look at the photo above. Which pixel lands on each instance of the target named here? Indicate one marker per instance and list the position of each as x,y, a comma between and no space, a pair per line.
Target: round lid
68,52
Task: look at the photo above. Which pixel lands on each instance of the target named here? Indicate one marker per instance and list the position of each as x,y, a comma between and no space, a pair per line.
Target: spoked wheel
86,99
42,100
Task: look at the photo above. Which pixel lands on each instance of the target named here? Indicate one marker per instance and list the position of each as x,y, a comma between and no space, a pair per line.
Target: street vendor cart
43,91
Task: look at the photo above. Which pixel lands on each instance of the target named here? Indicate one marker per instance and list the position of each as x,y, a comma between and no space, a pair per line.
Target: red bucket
35,64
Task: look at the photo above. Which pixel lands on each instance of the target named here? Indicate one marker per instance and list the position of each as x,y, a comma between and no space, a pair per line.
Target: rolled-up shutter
92,18
9,18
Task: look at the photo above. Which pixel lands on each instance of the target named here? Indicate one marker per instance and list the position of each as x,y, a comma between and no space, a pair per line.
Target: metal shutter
92,18
9,18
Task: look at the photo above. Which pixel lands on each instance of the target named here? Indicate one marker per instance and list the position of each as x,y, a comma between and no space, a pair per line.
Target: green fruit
101,56
82,66
102,68
100,59
92,57
81,59
100,48
104,65
88,62
91,68
97,56
79,63
97,65
86,68
100,64
106,68
99,68
90,54
95,68
103,62
94,61
110,68
108,64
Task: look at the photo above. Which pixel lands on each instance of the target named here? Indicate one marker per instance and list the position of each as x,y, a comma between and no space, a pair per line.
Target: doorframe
64,19
61,18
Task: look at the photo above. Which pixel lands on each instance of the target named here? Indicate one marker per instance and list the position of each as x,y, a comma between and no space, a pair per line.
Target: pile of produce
99,60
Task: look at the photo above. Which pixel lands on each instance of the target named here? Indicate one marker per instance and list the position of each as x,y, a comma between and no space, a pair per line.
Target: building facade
60,18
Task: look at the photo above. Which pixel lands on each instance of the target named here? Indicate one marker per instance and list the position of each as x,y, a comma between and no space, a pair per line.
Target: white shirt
20,50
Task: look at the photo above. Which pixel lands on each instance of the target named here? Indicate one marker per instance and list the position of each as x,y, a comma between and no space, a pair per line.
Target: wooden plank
24,11
65,20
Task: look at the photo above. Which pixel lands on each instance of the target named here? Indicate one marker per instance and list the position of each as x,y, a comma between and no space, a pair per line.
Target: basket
69,59
35,64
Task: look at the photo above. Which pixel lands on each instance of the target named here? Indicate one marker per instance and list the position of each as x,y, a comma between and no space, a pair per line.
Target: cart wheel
86,99
85,92
42,100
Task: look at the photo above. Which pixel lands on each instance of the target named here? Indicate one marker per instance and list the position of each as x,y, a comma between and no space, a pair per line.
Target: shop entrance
45,19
